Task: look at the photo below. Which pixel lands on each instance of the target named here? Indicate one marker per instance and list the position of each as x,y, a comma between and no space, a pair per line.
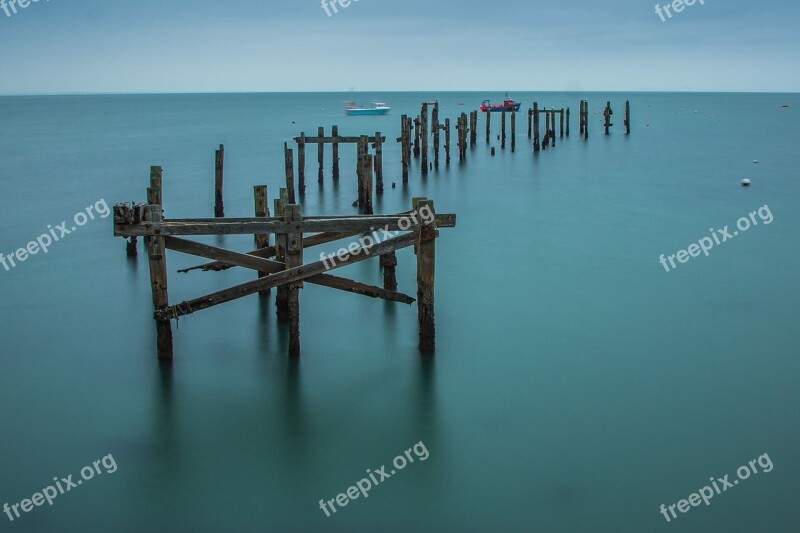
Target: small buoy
755,160
745,182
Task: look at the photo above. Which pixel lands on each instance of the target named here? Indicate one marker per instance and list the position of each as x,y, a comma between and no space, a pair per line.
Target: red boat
507,105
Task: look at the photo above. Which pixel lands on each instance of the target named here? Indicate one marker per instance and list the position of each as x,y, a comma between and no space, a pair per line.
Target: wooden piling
580,119
301,162
586,119
607,115
294,259
378,163
409,127
567,122
219,208
488,125
503,131
320,157
627,117
389,266
473,128
156,252
561,122
282,296
366,176
513,130
426,272
417,124
335,133
424,137
435,128
404,134
362,153
261,210
536,127
447,141
289,164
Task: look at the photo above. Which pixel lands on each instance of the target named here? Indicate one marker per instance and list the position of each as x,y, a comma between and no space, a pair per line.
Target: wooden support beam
362,153
513,130
488,125
409,127
425,247
447,141
586,119
536,142
435,128
158,283
417,127
404,140
335,134
473,128
366,176
503,131
627,117
389,266
607,115
282,279
282,296
567,122
530,117
219,165
337,139
561,122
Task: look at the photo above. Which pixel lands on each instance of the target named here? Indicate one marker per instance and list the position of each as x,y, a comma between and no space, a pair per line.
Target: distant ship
376,108
507,105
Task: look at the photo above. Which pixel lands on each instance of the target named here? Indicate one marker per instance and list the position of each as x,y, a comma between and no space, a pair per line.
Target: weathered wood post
473,128
320,156
627,117
503,131
289,164
535,127
294,258
586,119
567,122
580,119
261,211
363,144
561,122
404,133
219,207
154,196
435,128
488,125
335,134
426,272
530,121
156,252
366,174
553,127
282,296
378,163
417,124
513,130
424,137
389,266
301,162
447,141
409,127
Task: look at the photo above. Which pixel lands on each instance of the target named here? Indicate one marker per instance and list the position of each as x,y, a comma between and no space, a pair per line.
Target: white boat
376,108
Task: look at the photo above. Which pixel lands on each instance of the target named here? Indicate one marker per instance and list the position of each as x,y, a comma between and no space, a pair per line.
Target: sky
145,46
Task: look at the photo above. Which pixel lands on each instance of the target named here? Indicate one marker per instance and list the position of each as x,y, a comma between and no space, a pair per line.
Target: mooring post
335,134
488,125
607,114
294,258
154,196
535,127
320,154
219,208
301,162
627,117
409,127
282,296
366,175
561,122
378,163
362,153
417,124
553,127
580,119
530,116
404,133
567,122
426,269
473,128
156,252
261,211
435,128
513,130
447,141
424,137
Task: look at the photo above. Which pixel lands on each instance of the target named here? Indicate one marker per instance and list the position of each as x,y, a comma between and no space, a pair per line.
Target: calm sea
577,385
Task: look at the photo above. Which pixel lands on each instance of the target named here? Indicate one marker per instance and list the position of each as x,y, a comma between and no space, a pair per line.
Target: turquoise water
576,386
